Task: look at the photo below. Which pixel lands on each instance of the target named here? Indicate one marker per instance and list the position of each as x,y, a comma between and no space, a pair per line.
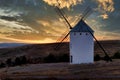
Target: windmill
81,40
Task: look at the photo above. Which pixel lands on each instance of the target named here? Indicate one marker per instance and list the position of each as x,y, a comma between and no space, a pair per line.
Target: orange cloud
46,40
104,16
106,5
63,3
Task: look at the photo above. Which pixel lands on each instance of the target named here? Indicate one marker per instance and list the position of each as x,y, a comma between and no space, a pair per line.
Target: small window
80,33
86,33
71,58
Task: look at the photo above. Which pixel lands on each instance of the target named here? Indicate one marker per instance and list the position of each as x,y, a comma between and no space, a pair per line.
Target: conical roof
81,27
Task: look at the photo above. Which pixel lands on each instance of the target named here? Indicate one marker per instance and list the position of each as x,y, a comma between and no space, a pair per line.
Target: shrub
2,65
9,62
63,58
107,58
116,55
50,58
17,61
97,57
23,60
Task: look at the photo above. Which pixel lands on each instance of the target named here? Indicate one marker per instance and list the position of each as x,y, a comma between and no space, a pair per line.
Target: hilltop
99,70
42,50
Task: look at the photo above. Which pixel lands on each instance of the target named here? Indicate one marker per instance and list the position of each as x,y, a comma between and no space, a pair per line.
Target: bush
23,60
50,59
2,65
97,57
107,58
9,62
17,61
63,58
116,55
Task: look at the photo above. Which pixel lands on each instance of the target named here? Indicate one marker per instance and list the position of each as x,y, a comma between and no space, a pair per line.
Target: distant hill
42,50
9,45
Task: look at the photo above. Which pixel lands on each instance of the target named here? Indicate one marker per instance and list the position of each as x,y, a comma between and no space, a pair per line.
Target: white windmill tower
81,41
81,44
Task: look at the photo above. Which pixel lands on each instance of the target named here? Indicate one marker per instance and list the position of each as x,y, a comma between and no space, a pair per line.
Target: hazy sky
35,21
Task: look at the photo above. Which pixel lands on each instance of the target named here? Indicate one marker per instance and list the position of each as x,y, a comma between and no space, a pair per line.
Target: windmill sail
62,36
60,43
61,17
62,14
83,18
106,55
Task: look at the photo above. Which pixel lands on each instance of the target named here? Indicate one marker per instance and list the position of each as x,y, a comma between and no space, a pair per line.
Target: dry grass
98,70
41,50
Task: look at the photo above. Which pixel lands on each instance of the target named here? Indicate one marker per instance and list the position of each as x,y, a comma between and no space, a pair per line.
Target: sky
36,21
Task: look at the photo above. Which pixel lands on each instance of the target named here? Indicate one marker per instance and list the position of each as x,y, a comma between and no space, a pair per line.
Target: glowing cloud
7,39
14,27
63,3
106,5
104,16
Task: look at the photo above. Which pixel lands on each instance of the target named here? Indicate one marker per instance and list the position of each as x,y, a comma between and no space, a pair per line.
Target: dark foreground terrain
42,50
100,70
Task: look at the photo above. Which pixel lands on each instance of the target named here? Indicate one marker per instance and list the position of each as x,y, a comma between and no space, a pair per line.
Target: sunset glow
36,21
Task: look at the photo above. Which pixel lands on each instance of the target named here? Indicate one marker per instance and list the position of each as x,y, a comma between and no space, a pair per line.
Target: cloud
11,15
52,27
8,18
10,39
11,26
34,2
9,12
106,5
103,6
63,3
107,29
39,21
102,35
104,16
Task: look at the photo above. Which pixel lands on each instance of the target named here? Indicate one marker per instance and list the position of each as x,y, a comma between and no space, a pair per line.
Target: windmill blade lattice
62,14
83,18
60,43
61,17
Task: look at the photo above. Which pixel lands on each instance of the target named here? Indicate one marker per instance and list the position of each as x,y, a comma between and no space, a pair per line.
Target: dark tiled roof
81,27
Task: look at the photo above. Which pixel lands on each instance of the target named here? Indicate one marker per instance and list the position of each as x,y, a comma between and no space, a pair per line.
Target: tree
9,62
50,58
106,58
17,61
2,65
97,57
64,58
23,60
116,55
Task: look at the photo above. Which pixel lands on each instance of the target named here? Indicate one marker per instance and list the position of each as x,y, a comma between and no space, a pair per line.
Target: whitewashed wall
81,47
